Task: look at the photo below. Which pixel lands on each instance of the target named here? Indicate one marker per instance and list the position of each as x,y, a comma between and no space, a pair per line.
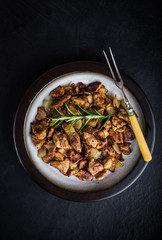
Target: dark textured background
38,35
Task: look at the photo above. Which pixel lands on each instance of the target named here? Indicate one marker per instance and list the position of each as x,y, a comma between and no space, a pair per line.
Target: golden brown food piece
81,85
38,131
94,87
98,100
72,165
62,166
49,157
59,102
94,167
100,175
125,148
63,151
103,134
109,163
58,156
74,156
89,129
128,134
84,175
37,143
61,141
50,147
109,148
78,101
86,150
75,141
57,92
122,114
71,172
108,125
73,136
50,132
41,114
45,123
83,164
116,137
117,122
92,141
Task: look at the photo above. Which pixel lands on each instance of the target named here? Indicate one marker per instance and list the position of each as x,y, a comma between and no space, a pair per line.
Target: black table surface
38,35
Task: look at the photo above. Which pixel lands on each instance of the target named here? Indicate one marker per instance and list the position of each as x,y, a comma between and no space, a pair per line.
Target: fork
132,117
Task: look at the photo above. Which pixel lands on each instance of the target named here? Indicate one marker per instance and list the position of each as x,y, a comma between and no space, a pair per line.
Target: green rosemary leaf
104,124
58,123
88,120
87,111
69,110
72,125
98,112
59,112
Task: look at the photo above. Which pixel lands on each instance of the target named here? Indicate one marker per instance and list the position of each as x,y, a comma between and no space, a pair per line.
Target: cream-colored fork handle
140,138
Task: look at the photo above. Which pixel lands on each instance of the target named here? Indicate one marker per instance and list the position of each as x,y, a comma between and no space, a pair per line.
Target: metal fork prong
120,78
107,60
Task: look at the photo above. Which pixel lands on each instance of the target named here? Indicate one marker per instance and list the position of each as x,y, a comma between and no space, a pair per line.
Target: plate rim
39,83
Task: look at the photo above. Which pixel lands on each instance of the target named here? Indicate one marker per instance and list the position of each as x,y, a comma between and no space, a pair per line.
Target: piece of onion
116,148
46,105
41,152
78,125
118,164
116,102
95,154
110,110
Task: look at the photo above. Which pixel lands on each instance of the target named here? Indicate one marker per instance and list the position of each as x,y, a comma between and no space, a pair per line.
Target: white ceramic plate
53,174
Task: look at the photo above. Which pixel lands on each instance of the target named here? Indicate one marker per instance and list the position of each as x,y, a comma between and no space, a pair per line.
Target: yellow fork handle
140,138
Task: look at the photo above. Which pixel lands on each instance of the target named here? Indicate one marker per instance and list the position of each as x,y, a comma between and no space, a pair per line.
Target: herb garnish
74,117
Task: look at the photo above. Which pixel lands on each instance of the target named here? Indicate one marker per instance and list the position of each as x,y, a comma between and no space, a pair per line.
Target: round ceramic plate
50,178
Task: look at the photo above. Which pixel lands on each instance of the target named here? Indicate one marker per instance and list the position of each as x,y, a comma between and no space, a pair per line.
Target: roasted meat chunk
94,87
50,147
59,102
100,175
94,167
122,114
62,166
125,148
74,137
58,92
74,156
116,137
128,134
38,131
50,132
109,163
60,140
84,175
41,115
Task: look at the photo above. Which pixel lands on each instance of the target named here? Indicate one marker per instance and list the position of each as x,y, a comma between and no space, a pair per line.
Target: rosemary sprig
72,117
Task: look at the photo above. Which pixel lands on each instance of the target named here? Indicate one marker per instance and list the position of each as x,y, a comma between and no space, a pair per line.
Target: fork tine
112,73
116,68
